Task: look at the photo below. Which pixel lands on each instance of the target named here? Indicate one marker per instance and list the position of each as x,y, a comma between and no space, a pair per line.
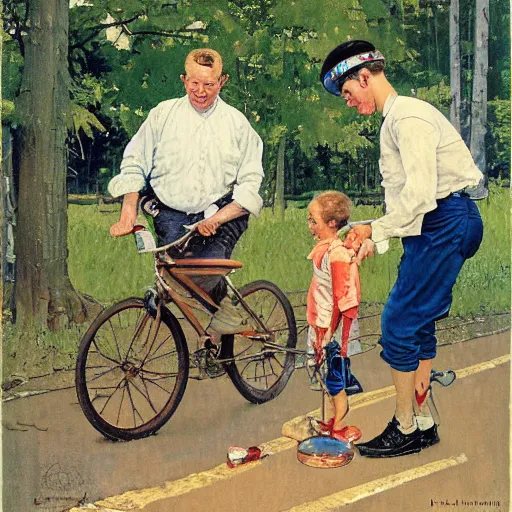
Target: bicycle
149,323
133,362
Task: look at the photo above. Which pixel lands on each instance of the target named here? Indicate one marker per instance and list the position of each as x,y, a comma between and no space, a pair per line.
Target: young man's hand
123,227
128,215
367,250
356,236
209,226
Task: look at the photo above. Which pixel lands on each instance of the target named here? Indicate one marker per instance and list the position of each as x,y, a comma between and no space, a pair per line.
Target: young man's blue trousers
429,267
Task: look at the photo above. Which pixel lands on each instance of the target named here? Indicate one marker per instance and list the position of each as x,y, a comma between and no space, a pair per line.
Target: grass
111,269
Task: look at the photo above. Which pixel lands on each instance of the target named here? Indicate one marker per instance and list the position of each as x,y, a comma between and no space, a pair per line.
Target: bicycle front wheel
260,370
131,370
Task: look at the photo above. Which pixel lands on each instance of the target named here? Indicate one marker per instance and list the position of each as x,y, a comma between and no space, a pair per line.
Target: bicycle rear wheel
258,371
131,370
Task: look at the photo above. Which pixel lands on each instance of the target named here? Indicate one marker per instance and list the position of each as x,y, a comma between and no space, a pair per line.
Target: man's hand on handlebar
208,227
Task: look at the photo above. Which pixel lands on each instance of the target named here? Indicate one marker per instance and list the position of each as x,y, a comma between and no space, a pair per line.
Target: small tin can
144,239
238,456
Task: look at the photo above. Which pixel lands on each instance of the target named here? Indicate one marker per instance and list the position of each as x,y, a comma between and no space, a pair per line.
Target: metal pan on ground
324,452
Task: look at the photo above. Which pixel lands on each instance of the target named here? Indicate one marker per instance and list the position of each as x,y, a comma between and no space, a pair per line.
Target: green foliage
251,14
12,62
7,110
85,120
374,10
337,21
484,284
87,90
272,51
106,268
499,124
498,79
437,95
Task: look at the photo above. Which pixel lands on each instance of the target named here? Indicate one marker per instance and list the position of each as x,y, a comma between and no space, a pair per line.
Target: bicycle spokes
267,310
131,368
261,357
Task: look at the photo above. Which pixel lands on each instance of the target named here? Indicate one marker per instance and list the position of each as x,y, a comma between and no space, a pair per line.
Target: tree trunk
479,100
279,205
2,220
455,64
44,295
293,172
429,36
436,39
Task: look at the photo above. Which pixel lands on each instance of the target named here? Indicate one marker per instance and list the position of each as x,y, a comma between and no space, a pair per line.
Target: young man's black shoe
392,443
429,436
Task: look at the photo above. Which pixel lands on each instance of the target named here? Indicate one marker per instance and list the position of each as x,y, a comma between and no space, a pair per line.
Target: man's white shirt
423,158
194,158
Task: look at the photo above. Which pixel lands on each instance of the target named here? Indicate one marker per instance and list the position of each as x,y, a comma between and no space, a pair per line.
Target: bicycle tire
237,370
136,368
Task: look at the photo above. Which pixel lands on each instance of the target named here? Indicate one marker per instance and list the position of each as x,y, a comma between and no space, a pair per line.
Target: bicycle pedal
204,360
151,302
208,344
215,371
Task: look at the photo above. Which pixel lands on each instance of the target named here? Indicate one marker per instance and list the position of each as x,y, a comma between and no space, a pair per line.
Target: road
53,458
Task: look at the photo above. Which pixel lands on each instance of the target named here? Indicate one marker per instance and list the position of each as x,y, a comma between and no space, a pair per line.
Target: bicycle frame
181,270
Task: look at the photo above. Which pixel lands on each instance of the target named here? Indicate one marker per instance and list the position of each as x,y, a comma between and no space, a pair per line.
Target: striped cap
344,60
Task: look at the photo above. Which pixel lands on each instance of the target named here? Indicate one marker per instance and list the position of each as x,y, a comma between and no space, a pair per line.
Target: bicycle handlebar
182,242
350,225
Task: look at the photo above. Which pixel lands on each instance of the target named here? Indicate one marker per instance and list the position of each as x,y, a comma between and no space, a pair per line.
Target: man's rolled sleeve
131,180
137,160
250,174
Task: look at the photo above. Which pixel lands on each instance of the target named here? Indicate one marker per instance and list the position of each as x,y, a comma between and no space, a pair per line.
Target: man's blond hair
205,57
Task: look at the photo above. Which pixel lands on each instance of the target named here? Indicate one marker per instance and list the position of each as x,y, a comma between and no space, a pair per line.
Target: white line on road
371,397
136,500
360,492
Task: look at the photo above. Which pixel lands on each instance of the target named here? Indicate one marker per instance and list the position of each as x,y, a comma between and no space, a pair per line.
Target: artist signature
465,503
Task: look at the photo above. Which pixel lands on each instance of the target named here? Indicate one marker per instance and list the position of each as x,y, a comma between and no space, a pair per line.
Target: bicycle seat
445,378
204,263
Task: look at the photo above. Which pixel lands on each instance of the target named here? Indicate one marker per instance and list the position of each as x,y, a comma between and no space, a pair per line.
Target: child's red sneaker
325,429
348,434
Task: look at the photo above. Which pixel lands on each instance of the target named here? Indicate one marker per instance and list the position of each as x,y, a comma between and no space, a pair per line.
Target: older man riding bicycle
203,161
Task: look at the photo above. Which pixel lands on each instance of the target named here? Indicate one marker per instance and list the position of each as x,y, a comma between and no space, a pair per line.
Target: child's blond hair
335,206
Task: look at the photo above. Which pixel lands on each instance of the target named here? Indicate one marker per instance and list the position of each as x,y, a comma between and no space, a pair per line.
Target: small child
333,298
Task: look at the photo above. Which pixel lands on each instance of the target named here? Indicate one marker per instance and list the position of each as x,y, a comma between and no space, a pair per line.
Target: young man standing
426,170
